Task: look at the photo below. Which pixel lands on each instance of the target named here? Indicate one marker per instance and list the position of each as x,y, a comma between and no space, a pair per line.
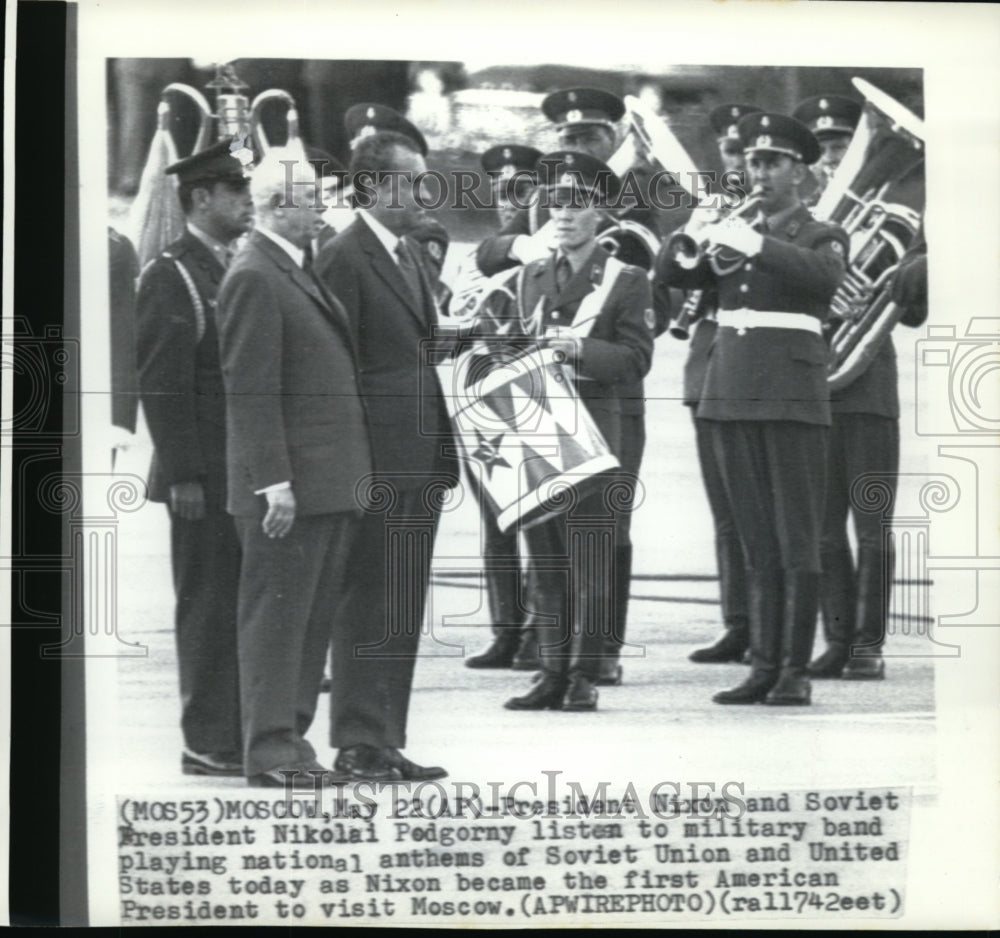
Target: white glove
536,247
736,234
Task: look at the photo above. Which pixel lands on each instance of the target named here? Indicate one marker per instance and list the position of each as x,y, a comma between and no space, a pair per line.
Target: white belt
743,319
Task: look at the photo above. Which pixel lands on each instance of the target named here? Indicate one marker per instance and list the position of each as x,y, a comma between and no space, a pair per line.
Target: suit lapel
386,268
327,303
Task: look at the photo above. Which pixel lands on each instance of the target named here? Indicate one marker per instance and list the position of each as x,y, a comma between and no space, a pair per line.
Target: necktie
408,268
563,273
307,256
230,254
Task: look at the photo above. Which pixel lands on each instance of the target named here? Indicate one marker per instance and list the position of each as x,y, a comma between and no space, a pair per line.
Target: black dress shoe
295,778
580,695
410,771
545,694
792,690
752,690
499,655
731,647
365,763
865,669
610,674
222,764
829,664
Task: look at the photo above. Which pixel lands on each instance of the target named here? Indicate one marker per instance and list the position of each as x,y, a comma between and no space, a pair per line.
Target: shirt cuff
277,487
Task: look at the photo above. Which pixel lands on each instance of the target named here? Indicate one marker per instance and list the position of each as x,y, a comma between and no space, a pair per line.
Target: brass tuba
876,195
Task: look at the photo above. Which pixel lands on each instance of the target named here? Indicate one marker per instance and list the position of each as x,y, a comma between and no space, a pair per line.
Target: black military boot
865,662
610,671
526,657
838,599
765,596
733,643
580,695
500,654
797,636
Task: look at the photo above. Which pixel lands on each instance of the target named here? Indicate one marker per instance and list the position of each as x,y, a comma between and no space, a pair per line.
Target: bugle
687,251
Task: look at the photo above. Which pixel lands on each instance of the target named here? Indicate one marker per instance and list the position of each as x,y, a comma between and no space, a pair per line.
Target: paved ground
661,725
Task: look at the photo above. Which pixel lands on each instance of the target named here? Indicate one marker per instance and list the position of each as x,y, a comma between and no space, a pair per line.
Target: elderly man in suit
298,443
180,378
372,268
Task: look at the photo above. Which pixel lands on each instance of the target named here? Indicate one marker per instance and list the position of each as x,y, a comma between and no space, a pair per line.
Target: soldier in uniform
724,120
594,310
183,398
585,119
735,640
864,439
123,271
832,118
512,169
767,397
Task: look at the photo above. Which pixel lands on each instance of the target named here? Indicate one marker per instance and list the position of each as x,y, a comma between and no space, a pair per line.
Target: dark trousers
572,596
860,444
501,570
379,623
289,589
632,445
775,477
728,550
205,557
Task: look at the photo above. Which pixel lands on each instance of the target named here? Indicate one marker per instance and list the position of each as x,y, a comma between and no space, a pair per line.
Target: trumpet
687,251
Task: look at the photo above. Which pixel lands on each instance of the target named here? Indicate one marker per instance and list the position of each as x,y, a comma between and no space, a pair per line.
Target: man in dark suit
766,394
594,310
373,270
184,403
298,443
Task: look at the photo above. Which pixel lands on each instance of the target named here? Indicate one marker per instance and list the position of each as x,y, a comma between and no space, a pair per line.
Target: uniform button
748,266
555,315
744,288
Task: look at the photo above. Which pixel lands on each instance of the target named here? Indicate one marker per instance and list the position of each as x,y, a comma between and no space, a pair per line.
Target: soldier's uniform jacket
180,377
605,303
492,257
764,373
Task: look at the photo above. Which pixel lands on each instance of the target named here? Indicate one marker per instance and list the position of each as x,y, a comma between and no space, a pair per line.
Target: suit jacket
293,404
768,373
617,351
180,379
394,332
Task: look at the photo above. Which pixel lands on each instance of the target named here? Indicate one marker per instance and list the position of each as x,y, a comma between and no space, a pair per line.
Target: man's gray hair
285,173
